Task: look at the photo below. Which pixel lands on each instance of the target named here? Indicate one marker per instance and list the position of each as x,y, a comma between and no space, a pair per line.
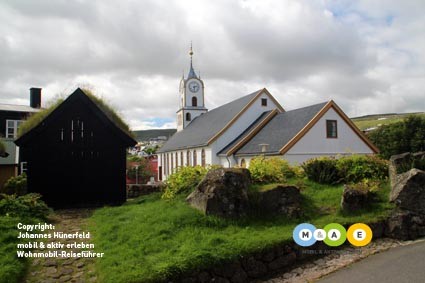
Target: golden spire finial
190,50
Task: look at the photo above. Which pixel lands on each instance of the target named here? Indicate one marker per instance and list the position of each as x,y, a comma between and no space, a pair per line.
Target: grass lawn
12,268
149,239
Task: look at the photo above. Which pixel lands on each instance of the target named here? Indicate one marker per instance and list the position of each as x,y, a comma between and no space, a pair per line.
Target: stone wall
268,262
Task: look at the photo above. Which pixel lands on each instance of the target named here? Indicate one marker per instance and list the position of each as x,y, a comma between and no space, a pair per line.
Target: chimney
35,97
264,147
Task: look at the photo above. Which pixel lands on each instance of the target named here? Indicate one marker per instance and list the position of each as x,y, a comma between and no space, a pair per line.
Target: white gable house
255,124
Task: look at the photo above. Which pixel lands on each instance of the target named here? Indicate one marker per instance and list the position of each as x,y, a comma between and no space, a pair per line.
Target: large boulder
398,163
405,225
222,192
408,193
354,199
281,200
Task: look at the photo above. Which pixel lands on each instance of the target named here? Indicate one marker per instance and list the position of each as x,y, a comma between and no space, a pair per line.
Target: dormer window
263,101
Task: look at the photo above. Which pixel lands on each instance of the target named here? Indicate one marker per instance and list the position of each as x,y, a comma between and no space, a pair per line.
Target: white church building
255,124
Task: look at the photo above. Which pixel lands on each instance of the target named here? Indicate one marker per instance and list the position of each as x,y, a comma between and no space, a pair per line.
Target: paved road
401,264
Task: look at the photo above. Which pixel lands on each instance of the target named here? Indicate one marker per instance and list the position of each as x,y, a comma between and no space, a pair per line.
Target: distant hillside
376,120
146,135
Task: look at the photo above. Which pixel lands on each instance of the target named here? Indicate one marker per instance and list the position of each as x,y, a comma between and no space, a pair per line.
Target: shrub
183,181
269,170
405,136
27,206
354,168
15,185
367,186
322,170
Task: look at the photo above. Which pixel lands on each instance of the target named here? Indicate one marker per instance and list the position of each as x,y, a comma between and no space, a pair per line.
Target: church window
172,163
263,101
195,157
194,101
331,129
188,117
181,159
243,163
203,158
177,163
188,158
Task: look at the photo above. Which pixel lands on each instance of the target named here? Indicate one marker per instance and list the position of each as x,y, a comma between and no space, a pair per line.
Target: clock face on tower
194,86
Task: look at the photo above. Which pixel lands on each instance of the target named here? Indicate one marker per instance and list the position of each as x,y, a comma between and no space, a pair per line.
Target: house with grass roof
76,152
252,125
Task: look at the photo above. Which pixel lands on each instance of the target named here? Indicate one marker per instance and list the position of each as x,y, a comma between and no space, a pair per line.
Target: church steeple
191,97
192,73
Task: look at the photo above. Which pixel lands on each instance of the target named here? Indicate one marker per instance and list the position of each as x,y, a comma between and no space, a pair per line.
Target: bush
183,181
355,168
367,186
27,206
405,136
347,169
322,170
270,170
16,185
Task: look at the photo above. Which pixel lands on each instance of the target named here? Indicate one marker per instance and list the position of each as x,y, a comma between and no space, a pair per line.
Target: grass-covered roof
36,118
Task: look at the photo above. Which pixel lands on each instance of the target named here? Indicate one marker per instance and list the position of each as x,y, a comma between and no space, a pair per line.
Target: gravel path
48,270
312,271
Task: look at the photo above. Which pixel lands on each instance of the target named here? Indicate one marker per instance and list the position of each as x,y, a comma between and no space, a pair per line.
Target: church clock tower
191,97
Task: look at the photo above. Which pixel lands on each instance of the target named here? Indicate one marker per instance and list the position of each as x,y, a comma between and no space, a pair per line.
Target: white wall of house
166,167
315,143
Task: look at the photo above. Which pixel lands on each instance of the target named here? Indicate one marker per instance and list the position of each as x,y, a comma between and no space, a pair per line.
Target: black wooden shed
76,156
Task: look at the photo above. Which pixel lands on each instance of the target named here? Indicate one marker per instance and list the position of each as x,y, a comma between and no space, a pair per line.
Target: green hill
146,135
376,120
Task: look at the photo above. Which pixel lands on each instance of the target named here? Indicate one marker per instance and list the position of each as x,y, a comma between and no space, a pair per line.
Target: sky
368,56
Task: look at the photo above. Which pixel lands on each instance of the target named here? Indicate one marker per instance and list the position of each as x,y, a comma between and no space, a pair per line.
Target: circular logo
359,234
303,235
319,234
335,234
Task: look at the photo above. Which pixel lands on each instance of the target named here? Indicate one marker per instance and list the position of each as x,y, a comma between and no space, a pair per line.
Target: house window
188,117
331,129
263,101
194,158
194,101
12,128
203,158
243,163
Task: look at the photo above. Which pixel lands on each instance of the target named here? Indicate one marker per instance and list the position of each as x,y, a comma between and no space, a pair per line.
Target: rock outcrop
354,199
282,200
408,193
222,192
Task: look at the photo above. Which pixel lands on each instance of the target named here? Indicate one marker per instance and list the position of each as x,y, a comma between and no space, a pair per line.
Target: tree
405,136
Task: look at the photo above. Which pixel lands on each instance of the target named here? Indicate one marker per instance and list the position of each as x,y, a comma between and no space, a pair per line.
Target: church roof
206,127
280,130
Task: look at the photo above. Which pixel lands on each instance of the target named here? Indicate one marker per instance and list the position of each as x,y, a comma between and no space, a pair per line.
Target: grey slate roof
204,127
245,133
280,130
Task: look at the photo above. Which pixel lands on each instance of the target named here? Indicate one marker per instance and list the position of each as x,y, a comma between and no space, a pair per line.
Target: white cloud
366,55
